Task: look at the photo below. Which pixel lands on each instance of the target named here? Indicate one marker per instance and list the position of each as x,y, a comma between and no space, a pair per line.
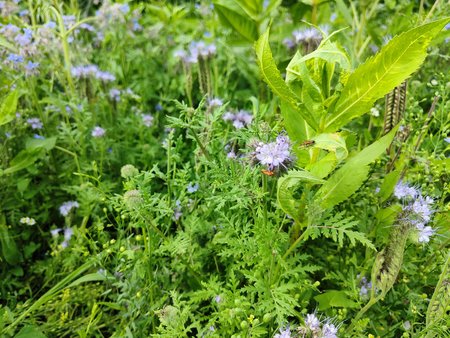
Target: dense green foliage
224,168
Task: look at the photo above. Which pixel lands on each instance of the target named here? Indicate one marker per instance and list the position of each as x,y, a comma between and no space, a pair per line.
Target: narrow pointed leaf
347,179
271,75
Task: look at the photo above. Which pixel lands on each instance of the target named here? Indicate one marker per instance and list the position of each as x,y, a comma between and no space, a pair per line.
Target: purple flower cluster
35,123
197,50
68,233
92,71
305,37
147,120
240,119
284,333
98,132
313,325
67,207
365,286
215,102
274,155
418,208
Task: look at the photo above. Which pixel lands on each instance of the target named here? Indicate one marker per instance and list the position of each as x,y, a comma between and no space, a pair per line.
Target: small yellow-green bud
133,199
128,171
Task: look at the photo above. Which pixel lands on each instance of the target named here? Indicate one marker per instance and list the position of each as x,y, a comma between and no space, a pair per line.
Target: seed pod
394,107
440,301
389,261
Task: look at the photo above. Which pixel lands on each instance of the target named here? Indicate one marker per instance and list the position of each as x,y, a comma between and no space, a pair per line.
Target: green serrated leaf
272,77
380,74
346,180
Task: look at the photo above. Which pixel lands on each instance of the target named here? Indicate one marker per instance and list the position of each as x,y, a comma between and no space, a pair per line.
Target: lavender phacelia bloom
240,119
274,155
417,209
67,207
114,94
98,132
92,71
365,287
312,322
192,187
35,123
55,232
284,333
214,102
147,120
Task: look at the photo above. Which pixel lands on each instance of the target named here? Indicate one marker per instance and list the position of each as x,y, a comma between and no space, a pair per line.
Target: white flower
27,221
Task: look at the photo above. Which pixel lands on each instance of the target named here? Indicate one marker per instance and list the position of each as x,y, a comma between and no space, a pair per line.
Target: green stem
200,144
294,245
361,312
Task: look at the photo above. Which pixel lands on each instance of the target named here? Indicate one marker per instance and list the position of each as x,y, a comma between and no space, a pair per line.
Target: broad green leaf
347,179
329,52
8,107
30,332
334,298
272,77
332,142
323,167
24,159
300,80
10,251
47,144
92,277
391,179
286,184
387,216
380,74
235,17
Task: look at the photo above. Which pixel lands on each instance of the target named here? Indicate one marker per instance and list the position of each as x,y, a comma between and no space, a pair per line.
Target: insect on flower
267,172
